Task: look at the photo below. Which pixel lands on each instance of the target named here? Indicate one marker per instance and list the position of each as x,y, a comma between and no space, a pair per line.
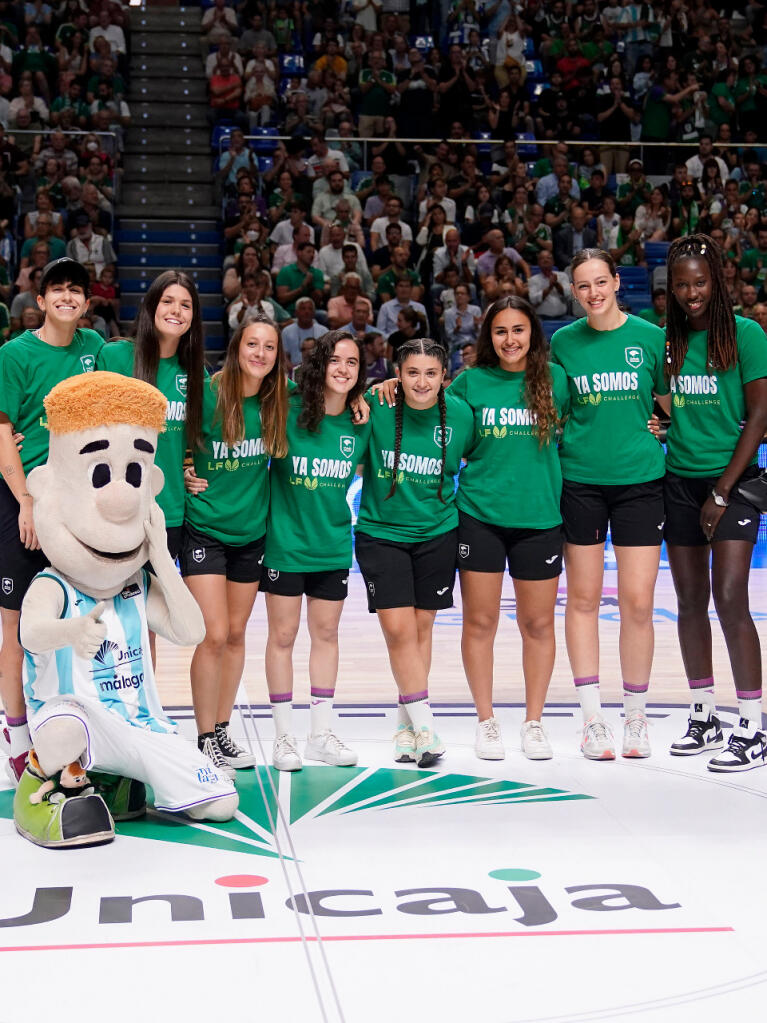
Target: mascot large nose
118,501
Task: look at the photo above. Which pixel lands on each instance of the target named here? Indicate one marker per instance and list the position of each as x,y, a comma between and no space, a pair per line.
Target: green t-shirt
414,512
233,508
309,524
612,375
29,368
118,356
292,276
753,259
375,102
651,316
716,113
56,246
509,479
708,406
387,282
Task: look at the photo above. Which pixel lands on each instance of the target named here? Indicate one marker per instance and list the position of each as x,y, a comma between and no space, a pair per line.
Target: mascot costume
88,679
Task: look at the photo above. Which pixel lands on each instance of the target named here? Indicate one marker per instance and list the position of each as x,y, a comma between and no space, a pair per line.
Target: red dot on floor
241,881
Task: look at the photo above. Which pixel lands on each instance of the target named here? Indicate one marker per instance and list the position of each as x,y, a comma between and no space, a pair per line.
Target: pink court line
293,939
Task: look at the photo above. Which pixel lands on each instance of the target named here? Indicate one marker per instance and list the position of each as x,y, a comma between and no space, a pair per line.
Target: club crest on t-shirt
88,363
634,356
181,383
438,435
347,446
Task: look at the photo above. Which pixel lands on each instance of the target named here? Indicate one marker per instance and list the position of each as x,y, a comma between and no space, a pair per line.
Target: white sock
419,712
321,711
402,715
587,689
634,701
21,740
282,713
751,710
702,691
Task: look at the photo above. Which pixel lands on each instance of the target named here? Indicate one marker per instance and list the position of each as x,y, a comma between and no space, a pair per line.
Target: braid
722,341
418,346
398,417
443,428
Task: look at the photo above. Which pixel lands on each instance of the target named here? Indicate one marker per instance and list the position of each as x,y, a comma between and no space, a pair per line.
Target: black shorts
420,574
531,554
203,555
18,566
634,512
332,584
686,495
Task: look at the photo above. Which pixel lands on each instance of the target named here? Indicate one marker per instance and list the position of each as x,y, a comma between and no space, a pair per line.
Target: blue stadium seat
423,43
656,253
550,327
265,141
265,163
483,146
634,278
523,148
221,135
291,65
638,300
356,177
534,70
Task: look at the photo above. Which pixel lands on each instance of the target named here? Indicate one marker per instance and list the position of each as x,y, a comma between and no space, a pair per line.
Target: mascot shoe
54,820
125,797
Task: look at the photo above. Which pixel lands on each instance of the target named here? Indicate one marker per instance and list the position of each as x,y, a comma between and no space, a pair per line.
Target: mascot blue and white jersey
120,676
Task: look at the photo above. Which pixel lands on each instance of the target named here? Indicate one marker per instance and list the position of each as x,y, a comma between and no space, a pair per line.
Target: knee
60,741
215,638
236,638
283,637
221,809
582,602
325,634
477,624
636,609
536,627
731,603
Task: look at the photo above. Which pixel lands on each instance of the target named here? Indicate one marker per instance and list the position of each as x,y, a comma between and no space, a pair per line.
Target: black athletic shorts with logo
634,512
419,574
531,554
686,495
203,555
18,566
333,584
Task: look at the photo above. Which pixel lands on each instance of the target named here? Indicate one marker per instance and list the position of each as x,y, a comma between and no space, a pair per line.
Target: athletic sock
702,691
750,705
203,736
282,712
418,710
321,710
18,731
634,697
587,689
402,714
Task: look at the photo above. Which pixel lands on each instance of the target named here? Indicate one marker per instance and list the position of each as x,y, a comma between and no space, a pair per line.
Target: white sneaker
636,741
535,743
285,755
404,744
597,741
210,748
327,747
428,747
488,744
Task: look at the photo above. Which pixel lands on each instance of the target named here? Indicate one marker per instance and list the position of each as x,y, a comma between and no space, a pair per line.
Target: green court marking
382,781
433,788
313,785
252,802
165,828
514,874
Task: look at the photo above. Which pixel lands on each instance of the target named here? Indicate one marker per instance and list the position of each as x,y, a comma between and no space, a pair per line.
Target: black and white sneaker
208,746
233,754
704,732
746,749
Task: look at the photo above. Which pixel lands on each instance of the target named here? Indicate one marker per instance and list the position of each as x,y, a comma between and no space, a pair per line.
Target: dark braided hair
418,346
722,343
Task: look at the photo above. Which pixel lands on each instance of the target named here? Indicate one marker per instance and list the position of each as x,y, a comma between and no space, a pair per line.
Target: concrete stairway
167,215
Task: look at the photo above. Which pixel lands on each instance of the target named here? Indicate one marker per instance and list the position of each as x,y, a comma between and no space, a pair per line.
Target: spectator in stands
454,253
462,321
615,114
417,88
573,236
505,279
341,307
238,155
227,53
636,190
226,93
410,323
375,203
748,299
301,279
550,185
286,254
87,247
110,31
257,33
43,205
304,328
26,299
377,367
376,86
252,299
656,313
686,213
361,318
387,314
753,265
322,155
397,271
549,290
557,209
35,106
495,248
324,207
628,249
260,97
57,149
393,215
44,233
653,218
593,197
352,261
455,87
219,22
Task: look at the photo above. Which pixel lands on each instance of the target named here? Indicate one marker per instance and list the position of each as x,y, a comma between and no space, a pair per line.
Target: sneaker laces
212,751
331,741
285,744
598,730
490,730
227,743
636,724
534,731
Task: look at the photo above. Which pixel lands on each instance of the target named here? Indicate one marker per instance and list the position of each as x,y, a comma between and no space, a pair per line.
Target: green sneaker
404,744
428,747
125,797
58,821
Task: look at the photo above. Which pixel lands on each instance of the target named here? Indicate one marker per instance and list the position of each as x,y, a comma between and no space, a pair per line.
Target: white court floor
507,892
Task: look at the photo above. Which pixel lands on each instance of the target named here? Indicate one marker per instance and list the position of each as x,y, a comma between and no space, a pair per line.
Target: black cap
58,271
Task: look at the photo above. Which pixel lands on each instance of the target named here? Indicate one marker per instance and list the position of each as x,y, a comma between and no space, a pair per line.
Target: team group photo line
142,494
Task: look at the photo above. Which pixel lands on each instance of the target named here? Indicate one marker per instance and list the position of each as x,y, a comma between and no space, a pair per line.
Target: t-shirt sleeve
752,351
560,390
553,350
12,383
660,383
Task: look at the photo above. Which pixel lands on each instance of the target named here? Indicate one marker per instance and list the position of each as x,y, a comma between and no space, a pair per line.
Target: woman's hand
386,391
653,425
27,533
360,411
18,439
710,514
194,484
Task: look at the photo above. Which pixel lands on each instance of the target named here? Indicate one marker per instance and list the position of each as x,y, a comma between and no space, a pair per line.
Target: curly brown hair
314,368
538,396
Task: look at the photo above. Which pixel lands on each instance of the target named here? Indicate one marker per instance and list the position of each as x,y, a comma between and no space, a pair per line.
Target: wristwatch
719,501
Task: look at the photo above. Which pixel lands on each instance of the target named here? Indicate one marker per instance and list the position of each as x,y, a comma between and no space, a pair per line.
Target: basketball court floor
507,891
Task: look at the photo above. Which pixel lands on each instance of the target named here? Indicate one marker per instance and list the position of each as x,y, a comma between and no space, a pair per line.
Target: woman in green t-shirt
716,365
508,504
613,476
406,537
168,352
308,542
243,424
